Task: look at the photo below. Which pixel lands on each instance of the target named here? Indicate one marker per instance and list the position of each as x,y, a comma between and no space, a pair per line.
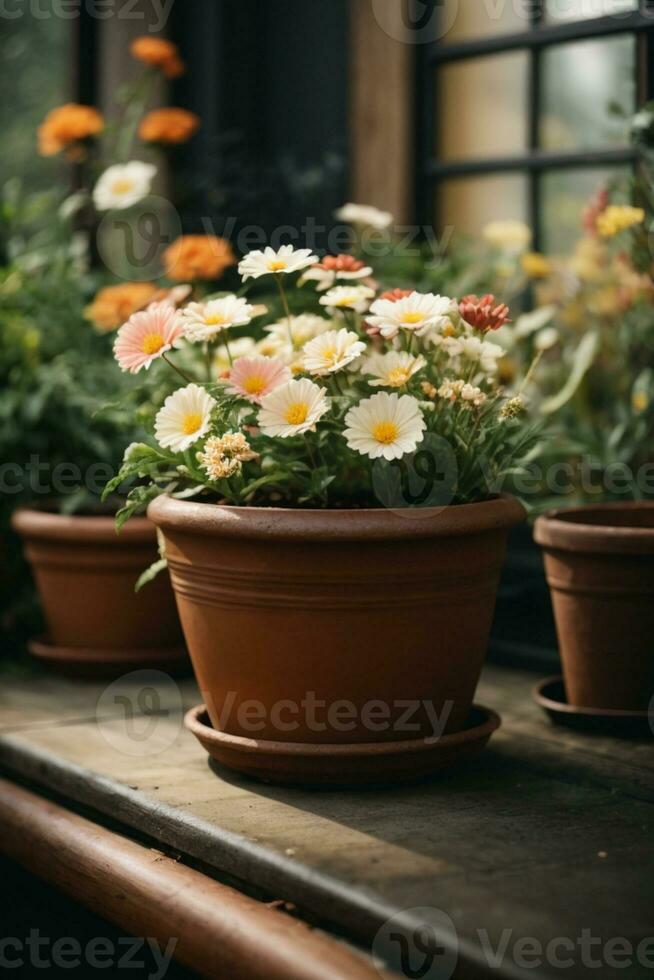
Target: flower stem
175,368
287,312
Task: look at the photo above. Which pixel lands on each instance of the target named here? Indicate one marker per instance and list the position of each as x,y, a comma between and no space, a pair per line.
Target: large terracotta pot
85,574
288,613
599,562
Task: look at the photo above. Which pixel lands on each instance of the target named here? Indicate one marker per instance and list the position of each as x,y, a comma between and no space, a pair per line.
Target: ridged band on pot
599,562
86,572
336,626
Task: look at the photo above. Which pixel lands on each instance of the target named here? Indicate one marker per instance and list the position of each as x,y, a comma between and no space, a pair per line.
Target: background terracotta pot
85,574
599,562
280,606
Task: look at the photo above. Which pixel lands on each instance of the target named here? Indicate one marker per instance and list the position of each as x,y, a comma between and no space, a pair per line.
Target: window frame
534,161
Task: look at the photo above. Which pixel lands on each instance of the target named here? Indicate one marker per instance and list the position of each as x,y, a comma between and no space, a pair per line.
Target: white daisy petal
184,418
292,409
123,185
283,261
332,351
385,425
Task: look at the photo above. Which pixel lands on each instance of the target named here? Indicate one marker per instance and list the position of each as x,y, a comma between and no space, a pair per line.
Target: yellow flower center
122,186
398,377
192,422
296,413
255,384
330,355
152,343
276,265
448,330
214,320
413,317
385,432
346,301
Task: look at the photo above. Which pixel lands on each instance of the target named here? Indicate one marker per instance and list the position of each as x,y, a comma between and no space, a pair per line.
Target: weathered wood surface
549,833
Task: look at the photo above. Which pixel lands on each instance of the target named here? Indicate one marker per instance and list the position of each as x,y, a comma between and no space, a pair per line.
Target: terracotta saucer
84,662
354,764
549,694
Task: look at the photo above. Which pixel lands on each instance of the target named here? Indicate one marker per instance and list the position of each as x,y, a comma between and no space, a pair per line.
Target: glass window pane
581,83
466,204
564,195
482,107
463,19
34,68
559,11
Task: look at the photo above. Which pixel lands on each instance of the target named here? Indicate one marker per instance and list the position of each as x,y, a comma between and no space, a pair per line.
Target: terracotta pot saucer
550,695
363,763
83,662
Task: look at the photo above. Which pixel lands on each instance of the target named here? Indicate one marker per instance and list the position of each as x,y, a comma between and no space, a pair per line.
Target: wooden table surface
548,835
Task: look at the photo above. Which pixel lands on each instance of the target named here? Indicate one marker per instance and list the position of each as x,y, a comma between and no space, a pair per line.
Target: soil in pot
336,626
85,574
599,562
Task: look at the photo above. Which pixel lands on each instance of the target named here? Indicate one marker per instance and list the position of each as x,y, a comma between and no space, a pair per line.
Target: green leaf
583,359
150,573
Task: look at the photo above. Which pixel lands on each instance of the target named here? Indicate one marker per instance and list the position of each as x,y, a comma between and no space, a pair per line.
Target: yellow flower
66,126
168,126
158,53
617,218
535,265
113,305
192,257
639,401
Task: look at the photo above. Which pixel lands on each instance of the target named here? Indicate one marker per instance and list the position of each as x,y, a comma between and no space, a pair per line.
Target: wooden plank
512,841
381,107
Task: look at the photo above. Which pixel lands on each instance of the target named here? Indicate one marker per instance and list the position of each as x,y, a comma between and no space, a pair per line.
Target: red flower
341,263
394,294
484,313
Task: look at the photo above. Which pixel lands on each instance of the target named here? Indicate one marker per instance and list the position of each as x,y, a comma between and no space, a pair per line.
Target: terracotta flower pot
336,626
85,574
599,562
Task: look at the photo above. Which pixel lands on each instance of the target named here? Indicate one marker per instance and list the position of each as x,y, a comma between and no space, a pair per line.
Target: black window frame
534,161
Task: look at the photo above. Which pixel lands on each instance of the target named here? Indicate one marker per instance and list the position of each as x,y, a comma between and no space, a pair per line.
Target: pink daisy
255,377
146,336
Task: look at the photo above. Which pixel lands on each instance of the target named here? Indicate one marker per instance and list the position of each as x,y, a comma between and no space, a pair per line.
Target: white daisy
184,418
419,312
204,321
286,259
385,425
355,298
332,351
392,370
364,214
333,269
292,409
509,236
300,328
123,185
477,350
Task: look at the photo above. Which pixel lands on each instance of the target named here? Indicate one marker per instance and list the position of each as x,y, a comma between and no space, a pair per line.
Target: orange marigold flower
66,125
168,126
113,305
158,53
394,294
341,263
198,257
484,313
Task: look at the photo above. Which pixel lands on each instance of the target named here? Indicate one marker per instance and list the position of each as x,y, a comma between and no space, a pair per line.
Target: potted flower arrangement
69,374
330,508
593,326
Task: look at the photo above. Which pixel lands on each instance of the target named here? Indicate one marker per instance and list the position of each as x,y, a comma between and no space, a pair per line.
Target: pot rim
29,522
223,520
558,529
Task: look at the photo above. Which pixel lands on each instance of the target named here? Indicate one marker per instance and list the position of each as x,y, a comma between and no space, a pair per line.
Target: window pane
34,66
482,107
565,10
580,84
468,203
463,19
564,195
